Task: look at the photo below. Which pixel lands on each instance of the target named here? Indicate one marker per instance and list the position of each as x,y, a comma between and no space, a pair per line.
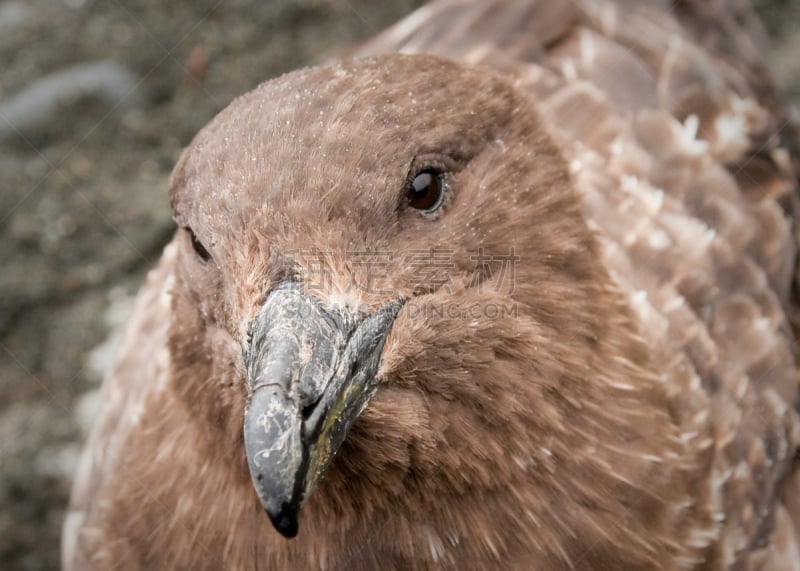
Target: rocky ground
96,100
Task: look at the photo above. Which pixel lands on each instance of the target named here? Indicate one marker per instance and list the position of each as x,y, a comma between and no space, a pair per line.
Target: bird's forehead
357,124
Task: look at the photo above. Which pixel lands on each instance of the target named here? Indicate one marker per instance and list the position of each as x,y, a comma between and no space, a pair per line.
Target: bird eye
199,249
426,190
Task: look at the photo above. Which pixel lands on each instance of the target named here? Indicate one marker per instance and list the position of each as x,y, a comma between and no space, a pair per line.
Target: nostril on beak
309,409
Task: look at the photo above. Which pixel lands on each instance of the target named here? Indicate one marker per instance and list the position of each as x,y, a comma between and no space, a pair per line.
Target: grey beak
310,373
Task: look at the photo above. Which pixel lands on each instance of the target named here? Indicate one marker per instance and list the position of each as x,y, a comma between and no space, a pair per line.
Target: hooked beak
310,373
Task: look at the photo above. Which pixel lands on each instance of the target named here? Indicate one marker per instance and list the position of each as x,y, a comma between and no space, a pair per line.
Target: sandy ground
96,100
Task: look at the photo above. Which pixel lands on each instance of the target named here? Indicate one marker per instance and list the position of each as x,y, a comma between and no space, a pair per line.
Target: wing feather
139,370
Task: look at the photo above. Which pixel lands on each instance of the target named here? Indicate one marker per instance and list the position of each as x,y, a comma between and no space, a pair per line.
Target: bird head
384,261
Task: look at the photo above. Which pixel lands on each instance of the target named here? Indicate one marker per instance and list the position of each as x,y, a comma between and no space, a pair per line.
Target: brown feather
638,408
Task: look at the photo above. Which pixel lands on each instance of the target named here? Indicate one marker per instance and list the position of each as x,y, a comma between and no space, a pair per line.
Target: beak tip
284,519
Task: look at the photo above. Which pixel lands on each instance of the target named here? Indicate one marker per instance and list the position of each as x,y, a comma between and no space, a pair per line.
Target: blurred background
96,101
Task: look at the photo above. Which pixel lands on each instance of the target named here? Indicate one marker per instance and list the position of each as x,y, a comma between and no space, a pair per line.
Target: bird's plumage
630,402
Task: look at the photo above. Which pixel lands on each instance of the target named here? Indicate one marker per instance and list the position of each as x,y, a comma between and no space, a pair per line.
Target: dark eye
199,249
426,190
